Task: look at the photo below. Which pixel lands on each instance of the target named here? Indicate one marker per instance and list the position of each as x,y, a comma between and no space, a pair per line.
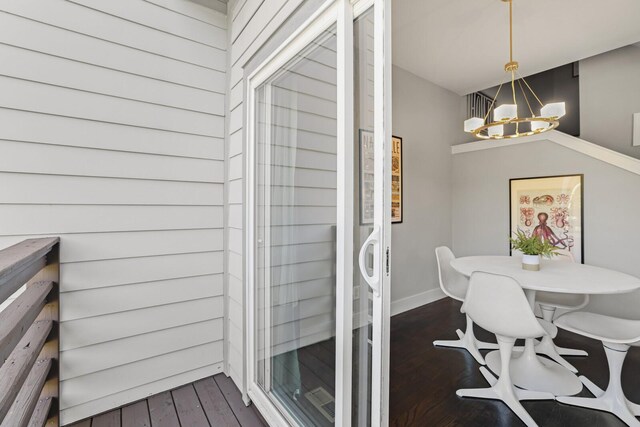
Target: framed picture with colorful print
396,179
550,207
366,176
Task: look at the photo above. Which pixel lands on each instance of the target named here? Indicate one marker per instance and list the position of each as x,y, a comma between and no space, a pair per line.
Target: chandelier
505,122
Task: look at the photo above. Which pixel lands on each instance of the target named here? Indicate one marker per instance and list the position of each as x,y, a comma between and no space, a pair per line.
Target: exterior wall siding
112,127
251,23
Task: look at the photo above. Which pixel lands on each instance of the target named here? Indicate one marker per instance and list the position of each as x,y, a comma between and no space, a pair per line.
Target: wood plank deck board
136,415
214,404
162,410
188,407
201,404
247,416
108,419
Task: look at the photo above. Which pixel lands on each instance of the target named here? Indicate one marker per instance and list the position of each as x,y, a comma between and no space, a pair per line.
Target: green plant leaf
532,245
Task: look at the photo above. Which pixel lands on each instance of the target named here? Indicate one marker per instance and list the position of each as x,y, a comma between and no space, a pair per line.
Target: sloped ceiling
462,45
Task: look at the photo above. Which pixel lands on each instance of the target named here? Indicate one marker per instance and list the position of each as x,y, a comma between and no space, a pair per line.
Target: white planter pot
531,262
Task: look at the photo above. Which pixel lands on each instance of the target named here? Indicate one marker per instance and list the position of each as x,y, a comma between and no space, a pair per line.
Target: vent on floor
323,401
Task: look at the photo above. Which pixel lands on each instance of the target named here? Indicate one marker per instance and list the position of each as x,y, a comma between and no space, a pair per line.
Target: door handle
374,280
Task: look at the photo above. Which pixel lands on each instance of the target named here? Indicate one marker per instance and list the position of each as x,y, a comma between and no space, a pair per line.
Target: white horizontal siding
112,133
26,188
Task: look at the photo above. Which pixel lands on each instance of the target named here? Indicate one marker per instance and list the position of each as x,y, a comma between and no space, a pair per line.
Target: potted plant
532,248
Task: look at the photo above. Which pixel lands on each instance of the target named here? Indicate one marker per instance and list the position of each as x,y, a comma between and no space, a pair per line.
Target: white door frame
382,215
341,13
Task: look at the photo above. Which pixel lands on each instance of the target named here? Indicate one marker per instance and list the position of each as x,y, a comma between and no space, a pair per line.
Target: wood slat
17,259
41,412
190,413
109,419
23,406
214,404
246,415
17,256
136,415
162,411
14,282
16,368
16,319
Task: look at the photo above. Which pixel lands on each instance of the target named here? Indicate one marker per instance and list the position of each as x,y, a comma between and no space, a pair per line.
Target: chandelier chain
510,30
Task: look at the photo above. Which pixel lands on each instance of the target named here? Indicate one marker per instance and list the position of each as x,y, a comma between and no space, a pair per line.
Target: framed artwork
396,179
367,203
550,207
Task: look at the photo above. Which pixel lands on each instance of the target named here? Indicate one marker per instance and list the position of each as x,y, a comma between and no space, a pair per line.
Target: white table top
554,276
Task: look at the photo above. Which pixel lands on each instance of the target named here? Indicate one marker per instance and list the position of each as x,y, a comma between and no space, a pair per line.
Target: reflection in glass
295,251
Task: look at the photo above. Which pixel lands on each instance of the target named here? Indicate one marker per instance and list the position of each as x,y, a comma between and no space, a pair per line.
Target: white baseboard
415,301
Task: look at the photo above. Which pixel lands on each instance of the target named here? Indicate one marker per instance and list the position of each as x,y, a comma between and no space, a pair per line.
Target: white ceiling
462,45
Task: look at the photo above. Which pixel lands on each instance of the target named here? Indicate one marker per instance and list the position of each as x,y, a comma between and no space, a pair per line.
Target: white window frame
326,16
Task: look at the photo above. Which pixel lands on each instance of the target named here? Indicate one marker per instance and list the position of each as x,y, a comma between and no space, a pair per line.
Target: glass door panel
295,234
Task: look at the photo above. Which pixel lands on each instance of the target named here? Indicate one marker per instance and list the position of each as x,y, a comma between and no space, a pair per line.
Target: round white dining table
528,370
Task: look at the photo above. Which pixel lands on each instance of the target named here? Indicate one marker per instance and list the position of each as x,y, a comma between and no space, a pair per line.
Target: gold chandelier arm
492,103
525,97
531,90
513,87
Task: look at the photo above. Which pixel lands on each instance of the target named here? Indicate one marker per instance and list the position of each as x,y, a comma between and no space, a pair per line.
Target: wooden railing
29,350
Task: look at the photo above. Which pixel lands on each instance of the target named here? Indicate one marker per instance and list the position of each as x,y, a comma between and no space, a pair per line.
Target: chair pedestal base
469,342
547,347
531,372
502,389
612,399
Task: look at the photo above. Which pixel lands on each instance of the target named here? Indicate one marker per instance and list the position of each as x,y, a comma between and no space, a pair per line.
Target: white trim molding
587,148
415,301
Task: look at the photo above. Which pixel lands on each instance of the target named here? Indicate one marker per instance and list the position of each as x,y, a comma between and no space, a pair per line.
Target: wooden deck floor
213,401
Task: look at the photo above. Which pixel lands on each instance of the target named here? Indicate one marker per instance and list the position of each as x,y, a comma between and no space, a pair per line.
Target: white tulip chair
617,335
499,305
455,285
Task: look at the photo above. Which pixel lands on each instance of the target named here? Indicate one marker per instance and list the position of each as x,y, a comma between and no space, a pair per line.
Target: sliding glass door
317,273
296,230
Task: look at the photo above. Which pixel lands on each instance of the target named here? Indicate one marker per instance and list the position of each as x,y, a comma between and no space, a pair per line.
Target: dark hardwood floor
213,401
424,378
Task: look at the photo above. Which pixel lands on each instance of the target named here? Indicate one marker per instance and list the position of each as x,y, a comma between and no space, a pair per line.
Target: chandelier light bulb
505,112
496,131
553,110
472,124
539,126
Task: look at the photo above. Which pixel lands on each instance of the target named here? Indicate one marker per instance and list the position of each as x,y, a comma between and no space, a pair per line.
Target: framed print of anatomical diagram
551,208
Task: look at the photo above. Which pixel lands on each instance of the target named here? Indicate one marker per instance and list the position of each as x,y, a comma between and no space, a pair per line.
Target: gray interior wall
429,120
611,202
609,95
